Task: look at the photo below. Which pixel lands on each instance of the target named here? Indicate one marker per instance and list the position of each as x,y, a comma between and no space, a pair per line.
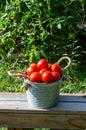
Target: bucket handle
64,58
22,75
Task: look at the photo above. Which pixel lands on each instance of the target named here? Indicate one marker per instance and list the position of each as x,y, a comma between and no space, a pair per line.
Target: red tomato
56,76
35,77
47,77
42,64
31,69
42,71
33,64
56,67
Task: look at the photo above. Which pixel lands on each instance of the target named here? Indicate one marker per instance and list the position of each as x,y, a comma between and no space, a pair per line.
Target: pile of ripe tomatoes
44,72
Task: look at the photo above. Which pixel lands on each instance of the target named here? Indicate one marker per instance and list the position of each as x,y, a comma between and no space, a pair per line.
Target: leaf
43,53
2,52
25,17
59,26
7,34
77,47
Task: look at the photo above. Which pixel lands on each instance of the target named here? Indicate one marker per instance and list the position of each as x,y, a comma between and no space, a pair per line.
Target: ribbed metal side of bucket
41,95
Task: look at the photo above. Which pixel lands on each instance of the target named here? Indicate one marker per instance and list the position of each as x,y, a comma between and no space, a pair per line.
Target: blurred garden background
35,29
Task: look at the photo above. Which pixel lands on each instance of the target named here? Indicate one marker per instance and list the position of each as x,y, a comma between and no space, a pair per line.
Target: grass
77,81
75,84
7,83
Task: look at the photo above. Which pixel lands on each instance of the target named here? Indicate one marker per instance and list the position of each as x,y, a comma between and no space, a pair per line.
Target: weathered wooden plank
12,96
61,107
11,128
14,128
18,101
27,128
70,113
20,129
73,97
22,96
43,121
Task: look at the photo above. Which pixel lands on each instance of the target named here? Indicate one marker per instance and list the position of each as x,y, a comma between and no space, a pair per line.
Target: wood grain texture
70,112
20,129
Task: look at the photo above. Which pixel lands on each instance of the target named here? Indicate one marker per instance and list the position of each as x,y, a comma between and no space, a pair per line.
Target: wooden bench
15,114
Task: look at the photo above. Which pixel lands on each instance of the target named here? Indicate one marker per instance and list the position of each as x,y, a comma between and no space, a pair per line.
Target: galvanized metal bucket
41,95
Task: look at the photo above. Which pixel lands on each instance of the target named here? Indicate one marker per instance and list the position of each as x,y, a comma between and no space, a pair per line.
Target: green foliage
32,29
6,82
41,28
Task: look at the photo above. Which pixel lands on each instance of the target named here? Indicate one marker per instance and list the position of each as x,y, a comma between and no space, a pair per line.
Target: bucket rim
29,82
